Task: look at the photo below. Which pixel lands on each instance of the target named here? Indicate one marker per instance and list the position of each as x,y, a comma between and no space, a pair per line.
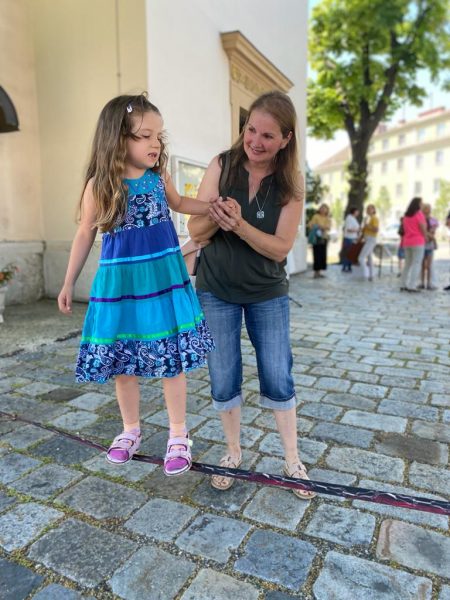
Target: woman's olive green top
229,268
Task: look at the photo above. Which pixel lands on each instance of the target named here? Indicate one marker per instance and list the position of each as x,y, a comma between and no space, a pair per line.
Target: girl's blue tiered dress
143,317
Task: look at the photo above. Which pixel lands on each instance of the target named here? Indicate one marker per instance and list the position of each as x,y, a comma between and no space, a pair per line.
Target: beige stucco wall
20,191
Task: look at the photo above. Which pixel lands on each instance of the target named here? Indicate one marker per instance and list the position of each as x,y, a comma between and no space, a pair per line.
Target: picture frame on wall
187,175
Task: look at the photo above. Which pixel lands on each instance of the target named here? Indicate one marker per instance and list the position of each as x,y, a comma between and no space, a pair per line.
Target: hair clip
129,108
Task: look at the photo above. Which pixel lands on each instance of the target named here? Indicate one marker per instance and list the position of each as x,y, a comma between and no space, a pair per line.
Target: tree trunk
358,179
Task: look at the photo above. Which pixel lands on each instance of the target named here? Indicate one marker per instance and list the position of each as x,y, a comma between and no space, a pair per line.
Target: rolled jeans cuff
228,404
287,404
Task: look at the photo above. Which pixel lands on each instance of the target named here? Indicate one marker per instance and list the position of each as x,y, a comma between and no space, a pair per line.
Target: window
436,186
440,129
439,157
419,160
421,134
401,139
400,164
384,167
399,190
385,144
418,187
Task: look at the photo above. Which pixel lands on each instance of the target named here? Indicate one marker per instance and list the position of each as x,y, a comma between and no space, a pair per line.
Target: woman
414,236
430,247
241,272
319,226
351,234
369,234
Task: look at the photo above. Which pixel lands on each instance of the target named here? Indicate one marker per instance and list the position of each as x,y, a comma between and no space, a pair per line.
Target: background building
202,61
405,160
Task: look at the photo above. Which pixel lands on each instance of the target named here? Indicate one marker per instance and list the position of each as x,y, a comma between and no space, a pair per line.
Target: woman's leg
406,267
316,258
128,397
286,421
416,262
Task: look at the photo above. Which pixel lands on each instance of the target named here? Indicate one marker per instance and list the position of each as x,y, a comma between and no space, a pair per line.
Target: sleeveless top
231,269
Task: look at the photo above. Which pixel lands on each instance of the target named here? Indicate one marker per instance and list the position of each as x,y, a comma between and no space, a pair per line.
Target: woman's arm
202,228
81,246
277,246
183,204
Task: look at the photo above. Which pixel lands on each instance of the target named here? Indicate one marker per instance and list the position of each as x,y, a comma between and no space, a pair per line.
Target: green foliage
383,203
315,189
442,204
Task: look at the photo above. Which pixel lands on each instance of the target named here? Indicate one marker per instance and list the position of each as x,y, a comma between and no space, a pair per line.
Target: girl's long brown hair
107,162
280,107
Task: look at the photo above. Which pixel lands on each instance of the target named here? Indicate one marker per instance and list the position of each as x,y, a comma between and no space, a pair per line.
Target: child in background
143,317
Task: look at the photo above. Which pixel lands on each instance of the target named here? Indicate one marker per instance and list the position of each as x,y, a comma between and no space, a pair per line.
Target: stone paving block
440,400
398,393
310,450
366,463
213,537
406,409
374,421
310,395
382,361
54,591
341,525
430,478
211,585
6,501
400,372
414,547
75,420
152,519
23,523
174,488
64,450
351,401
332,477
405,514
277,558
446,416
35,410
412,448
346,577
348,365
38,388
323,412
130,471
445,593
102,499
81,552
14,465
332,384
276,507
360,377
46,481
400,382
90,401
302,380
17,582
213,431
343,434
282,596
151,573
434,387
432,431
25,436
369,391
60,394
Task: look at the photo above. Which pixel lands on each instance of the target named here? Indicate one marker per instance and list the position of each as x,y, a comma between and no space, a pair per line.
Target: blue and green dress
143,316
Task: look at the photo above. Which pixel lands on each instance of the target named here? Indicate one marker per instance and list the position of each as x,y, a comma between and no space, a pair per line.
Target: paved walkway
372,373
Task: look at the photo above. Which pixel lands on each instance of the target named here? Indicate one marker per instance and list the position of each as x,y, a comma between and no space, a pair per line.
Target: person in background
430,246
369,234
319,226
400,249
414,238
351,234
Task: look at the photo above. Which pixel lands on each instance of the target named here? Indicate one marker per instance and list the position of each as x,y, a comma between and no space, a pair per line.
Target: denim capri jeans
267,326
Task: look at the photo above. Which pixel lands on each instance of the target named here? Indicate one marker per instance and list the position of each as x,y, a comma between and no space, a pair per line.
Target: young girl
143,317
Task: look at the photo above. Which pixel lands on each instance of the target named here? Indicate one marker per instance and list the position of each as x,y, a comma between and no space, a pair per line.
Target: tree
442,204
315,189
367,55
383,202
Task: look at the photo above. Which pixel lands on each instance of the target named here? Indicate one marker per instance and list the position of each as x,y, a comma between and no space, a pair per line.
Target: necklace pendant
260,214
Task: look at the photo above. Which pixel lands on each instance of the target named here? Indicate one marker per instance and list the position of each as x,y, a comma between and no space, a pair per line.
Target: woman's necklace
260,211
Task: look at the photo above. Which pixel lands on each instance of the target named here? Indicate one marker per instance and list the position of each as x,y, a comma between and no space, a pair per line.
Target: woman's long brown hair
280,107
106,165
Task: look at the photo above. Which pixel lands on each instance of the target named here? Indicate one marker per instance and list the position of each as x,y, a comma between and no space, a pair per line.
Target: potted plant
6,274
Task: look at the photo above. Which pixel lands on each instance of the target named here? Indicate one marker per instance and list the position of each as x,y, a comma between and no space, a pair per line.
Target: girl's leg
127,443
178,456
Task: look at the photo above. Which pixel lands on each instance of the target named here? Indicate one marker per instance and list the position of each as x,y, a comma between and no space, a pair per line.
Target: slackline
440,507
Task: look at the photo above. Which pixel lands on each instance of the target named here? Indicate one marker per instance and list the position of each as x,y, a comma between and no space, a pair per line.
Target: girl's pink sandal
124,446
178,460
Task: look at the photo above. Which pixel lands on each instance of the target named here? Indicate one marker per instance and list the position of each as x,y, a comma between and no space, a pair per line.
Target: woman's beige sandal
298,470
219,482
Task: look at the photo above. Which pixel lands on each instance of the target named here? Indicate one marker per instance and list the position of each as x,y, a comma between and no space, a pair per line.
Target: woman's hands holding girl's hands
226,213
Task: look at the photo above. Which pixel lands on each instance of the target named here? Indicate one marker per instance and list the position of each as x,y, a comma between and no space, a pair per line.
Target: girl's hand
227,214
65,299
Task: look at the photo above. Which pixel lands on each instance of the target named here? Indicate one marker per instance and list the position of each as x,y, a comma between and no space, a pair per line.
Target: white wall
188,68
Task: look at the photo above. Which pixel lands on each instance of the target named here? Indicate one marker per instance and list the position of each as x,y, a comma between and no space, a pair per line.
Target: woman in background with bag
319,231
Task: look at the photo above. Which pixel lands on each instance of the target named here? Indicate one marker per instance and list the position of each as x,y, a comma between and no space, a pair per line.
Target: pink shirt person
413,236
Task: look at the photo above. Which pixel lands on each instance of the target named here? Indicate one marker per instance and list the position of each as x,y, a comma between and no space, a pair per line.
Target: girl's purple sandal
178,460
124,446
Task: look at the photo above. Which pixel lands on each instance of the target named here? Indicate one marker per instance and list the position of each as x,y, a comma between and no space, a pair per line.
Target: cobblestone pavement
372,374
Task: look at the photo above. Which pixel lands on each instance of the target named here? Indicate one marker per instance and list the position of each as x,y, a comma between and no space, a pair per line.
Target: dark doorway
8,114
